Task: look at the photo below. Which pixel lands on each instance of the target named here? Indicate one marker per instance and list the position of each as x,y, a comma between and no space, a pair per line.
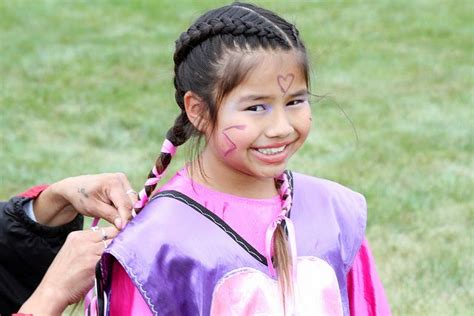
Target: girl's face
263,121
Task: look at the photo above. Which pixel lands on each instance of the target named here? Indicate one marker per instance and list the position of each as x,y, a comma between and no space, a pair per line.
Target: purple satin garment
176,254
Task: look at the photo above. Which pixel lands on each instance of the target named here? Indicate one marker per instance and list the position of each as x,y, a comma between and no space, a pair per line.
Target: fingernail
118,223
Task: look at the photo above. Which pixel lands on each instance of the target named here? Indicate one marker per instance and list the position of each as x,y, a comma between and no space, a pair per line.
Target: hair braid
287,30
176,136
284,261
202,31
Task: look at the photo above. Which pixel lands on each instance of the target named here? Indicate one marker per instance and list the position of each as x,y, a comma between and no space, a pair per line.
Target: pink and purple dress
197,251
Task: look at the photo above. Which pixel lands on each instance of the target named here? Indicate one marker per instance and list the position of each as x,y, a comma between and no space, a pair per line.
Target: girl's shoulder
327,196
329,208
324,188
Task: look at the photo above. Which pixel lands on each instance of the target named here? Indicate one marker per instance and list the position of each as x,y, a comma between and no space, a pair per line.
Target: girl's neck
231,181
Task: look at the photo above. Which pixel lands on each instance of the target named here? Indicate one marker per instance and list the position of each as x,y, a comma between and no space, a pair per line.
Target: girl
233,233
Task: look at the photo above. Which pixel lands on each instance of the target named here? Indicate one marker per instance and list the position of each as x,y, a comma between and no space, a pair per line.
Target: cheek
307,121
232,139
302,121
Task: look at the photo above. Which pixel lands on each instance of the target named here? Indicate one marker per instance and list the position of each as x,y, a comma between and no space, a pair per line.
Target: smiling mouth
271,151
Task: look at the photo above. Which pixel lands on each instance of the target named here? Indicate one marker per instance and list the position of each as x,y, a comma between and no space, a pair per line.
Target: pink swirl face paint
232,145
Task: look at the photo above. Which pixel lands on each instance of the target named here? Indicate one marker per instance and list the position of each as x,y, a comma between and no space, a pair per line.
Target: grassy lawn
86,88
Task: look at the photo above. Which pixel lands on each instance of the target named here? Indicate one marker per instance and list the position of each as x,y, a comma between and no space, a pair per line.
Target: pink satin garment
125,298
366,294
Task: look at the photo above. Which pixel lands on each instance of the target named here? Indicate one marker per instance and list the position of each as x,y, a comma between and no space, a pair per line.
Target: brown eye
295,102
257,108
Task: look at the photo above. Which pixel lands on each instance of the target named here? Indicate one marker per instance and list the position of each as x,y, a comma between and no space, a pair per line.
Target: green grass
86,88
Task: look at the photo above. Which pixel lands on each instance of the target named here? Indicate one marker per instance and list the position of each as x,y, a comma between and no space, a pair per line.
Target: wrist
44,301
51,206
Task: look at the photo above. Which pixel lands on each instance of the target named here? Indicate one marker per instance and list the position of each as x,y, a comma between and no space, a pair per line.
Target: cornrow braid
296,35
282,27
221,26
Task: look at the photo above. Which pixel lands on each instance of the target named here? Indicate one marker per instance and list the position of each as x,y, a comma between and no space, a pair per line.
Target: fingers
133,195
134,198
99,248
123,197
83,244
104,233
103,196
107,212
102,237
107,243
110,232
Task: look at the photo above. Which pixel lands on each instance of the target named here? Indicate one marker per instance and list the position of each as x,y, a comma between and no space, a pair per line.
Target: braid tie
168,150
220,26
284,190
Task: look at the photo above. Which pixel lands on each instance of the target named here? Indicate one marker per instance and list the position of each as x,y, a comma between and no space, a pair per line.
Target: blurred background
86,87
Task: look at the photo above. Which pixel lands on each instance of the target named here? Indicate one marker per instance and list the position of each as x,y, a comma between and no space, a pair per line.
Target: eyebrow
258,97
303,92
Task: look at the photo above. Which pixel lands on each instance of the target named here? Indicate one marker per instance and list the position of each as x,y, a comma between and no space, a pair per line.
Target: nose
279,124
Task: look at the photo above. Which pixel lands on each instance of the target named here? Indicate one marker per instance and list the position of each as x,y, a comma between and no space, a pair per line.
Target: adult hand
71,274
108,196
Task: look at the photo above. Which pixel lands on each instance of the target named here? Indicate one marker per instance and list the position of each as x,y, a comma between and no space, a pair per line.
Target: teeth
271,151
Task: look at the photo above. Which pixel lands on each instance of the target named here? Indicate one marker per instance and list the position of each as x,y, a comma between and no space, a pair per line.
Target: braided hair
208,62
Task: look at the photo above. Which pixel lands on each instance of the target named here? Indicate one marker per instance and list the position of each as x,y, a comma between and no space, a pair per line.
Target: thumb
123,203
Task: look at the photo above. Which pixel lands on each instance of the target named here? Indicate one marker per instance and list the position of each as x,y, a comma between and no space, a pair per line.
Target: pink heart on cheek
284,82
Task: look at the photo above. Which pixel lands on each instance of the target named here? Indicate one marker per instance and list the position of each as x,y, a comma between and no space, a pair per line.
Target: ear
196,110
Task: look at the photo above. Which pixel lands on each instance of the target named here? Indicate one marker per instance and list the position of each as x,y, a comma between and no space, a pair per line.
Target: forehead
269,68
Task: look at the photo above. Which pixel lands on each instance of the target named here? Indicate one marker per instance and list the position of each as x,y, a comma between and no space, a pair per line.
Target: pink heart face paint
232,146
285,82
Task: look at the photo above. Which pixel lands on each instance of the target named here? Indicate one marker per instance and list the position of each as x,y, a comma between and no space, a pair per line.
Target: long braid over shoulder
284,251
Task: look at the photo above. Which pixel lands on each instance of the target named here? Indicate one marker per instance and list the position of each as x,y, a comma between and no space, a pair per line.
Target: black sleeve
26,251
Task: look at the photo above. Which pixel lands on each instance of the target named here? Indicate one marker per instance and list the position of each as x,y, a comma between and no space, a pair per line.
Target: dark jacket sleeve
26,251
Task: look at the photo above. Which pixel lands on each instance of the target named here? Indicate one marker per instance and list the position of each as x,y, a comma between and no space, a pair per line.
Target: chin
271,172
